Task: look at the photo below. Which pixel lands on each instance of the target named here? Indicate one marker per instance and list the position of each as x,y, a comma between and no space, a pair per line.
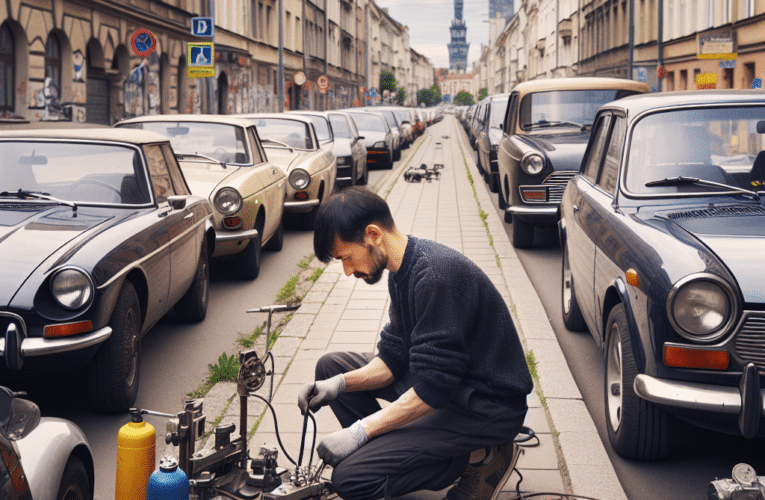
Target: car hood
342,147
285,158
565,151
371,137
737,241
28,238
203,178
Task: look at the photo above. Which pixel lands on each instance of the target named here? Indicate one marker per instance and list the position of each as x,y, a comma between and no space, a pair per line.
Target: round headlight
532,164
71,288
299,179
701,309
228,200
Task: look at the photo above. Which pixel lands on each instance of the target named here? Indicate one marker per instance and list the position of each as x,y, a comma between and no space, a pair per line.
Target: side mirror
18,417
178,202
361,137
501,126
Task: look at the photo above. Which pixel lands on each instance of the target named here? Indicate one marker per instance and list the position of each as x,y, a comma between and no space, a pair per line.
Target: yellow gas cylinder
135,458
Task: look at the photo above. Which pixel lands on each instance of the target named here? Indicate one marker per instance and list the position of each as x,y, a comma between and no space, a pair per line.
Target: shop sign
201,59
706,81
717,46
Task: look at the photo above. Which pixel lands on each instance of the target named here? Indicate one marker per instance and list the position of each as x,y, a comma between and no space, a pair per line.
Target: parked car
223,160
487,139
663,231
290,141
41,458
321,126
101,237
405,119
395,131
376,136
545,132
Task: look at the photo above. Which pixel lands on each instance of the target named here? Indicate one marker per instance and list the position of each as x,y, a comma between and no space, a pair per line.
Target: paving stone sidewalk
344,313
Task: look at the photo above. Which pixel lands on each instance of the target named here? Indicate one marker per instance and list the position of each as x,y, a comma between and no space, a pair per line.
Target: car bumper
36,346
300,206
237,236
746,401
541,215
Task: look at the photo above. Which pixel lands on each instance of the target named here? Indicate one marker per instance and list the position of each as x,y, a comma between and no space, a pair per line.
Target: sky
429,22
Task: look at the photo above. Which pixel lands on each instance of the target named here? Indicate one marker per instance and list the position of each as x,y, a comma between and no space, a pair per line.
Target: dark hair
346,214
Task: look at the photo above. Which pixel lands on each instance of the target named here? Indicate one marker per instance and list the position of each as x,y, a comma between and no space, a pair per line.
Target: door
97,97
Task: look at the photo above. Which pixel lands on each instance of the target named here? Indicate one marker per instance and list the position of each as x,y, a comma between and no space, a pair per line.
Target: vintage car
100,238
290,141
479,118
663,234
404,118
376,137
41,458
544,134
487,139
223,159
395,131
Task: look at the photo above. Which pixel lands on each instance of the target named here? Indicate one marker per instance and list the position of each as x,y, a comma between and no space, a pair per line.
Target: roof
225,119
279,116
639,103
579,83
127,135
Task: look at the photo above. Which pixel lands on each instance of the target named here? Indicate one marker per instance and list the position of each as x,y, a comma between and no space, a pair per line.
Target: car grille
717,212
557,184
750,341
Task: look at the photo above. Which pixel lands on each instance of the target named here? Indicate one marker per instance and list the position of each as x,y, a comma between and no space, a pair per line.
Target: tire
479,165
636,428
75,484
249,259
365,176
276,243
193,305
114,371
493,182
501,201
523,234
572,315
397,154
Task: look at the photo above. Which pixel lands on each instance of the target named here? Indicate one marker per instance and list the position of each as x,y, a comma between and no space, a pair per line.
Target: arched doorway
223,93
97,85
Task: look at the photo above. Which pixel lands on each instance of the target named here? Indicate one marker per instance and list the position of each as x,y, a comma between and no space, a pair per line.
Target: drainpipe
557,45
660,40
280,71
210,84
632,39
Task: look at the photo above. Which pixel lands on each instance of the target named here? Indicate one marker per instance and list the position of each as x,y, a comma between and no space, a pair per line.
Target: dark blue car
663,235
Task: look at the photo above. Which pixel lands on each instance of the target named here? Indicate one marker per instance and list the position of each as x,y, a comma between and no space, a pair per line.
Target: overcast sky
429,22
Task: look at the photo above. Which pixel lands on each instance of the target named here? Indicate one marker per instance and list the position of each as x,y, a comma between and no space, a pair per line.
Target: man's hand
314,395
339,445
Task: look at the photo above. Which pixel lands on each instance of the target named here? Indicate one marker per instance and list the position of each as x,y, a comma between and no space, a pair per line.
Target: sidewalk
344,313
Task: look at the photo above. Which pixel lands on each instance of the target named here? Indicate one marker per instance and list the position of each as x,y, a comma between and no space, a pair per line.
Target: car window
369,121
563,108
512,109
498,109
293,133
160,175
340,126
320,124
594,153
608,175
176,175
259,156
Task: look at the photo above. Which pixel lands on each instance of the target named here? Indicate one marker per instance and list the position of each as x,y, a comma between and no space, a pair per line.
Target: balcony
565,30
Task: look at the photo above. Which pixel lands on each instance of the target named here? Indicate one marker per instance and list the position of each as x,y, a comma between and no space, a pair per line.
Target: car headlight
343,160
532,163
228,200
72,288
701,307
380,144
299,179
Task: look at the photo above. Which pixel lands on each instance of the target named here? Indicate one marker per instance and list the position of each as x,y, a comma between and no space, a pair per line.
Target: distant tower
458,48
502,7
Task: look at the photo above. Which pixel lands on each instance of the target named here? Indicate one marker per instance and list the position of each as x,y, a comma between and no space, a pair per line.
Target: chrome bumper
36,346
238,236
292,206
543,210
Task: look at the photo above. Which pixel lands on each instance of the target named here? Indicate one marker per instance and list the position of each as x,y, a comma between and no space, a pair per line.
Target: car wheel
636,428
479,165
276,243
365,176
249,259
572,315
493,182
397,155
113,373
523,234
193,305
501,201
75,484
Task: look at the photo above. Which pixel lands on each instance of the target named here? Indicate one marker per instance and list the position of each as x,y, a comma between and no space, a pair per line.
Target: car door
273,180
586,218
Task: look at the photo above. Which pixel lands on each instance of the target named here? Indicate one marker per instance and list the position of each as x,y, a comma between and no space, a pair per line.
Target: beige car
290,141
223,159
544,134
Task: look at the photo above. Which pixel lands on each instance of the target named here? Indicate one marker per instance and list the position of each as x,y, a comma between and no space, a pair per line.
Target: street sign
728,64
757,83
143,42
323,83
201,59
299,78
202,26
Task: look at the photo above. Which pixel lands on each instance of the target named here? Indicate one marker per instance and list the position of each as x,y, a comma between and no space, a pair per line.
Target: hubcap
614,379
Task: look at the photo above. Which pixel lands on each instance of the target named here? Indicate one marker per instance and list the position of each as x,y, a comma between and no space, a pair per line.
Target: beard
379,263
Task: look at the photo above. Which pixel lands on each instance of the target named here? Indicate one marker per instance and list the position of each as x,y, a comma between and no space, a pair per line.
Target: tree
387,82
429,97
482,93
401,96
464,98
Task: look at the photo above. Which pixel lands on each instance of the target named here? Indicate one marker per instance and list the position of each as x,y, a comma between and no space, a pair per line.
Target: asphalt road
699,456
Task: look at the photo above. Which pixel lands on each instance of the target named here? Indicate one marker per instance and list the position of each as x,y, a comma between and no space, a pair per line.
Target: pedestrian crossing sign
200,57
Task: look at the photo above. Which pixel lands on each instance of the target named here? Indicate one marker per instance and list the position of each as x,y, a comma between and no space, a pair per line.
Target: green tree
429,97
387,82
482,93
464,98
401,96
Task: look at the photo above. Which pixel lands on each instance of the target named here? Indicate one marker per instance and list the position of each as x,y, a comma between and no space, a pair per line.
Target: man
450,362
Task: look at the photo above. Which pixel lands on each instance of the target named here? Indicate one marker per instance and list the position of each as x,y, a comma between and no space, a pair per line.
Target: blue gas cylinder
168,482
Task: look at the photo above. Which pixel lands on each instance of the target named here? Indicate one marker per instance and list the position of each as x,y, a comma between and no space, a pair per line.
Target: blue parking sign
200,58
202,26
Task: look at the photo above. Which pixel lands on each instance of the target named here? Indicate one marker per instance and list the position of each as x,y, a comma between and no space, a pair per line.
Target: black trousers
427,454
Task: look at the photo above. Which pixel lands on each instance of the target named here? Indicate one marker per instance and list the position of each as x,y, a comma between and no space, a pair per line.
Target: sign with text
202,26
717,46
201,59
705,81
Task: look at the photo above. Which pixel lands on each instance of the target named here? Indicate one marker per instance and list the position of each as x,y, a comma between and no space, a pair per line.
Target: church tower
458,47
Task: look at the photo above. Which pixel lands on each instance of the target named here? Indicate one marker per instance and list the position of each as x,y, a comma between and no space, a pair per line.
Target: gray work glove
334,448
314,395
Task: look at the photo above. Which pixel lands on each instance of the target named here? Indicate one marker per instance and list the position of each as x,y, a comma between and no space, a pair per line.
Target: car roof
126,135
579,83
282,116
225,119
637,104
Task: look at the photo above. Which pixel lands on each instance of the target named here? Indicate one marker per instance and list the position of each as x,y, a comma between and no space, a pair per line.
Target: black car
487,139
376,136
99,239
663,234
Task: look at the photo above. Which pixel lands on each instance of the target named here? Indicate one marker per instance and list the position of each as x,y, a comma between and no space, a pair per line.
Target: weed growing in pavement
288,290
306,261
532,363
481,212
250,339
316,274
226,369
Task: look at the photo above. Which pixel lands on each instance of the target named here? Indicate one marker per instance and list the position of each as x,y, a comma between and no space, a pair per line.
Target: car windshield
293,133
340,126
321,126
388,115
565,108
403,116
220,141
369,121
719,145
497,116
77,172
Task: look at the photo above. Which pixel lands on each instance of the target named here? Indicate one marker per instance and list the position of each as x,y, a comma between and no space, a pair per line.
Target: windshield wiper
197,155
678,181
278,143
545,124
22,194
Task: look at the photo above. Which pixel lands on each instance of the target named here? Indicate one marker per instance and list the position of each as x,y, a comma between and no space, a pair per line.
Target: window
257,154
268,23
6,69
609,175
179,184
53,61
160,176
594,154
260,20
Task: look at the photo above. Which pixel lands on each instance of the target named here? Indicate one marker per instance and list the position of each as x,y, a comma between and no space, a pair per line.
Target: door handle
575,208
189,216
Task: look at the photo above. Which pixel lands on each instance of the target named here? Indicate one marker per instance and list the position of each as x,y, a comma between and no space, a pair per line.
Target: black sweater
449,326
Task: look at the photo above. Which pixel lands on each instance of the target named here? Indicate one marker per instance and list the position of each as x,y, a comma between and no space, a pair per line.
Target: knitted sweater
449,326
